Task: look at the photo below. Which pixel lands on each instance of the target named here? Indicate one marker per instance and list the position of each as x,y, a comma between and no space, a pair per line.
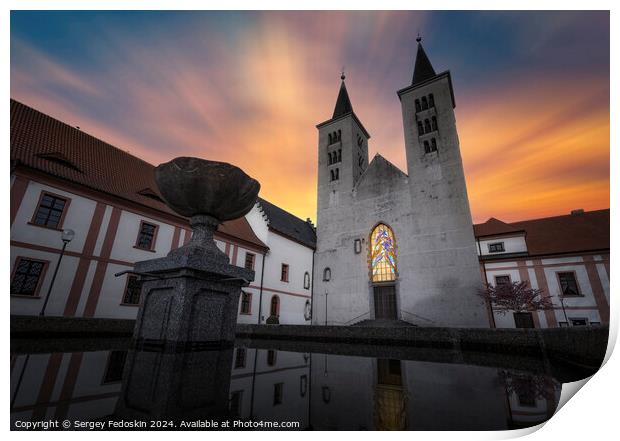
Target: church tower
343,153
443,243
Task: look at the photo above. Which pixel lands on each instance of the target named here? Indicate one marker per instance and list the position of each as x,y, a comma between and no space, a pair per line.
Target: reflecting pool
254,387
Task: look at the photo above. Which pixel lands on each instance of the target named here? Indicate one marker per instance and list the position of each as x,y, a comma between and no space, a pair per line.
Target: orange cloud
531,147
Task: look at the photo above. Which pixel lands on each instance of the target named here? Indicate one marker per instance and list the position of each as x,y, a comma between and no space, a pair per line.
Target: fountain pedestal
191,296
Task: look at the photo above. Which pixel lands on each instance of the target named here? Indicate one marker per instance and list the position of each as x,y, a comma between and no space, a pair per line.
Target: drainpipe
260,295
312,289
484,270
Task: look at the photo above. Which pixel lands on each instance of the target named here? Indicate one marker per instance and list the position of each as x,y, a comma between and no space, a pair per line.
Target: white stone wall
292,294
32,241
542,274
514,244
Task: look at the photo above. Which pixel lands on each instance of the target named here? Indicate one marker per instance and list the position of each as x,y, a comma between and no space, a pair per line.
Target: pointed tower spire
423,69
343,103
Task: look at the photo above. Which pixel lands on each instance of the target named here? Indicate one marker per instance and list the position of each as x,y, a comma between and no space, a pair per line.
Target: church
388,245
393,245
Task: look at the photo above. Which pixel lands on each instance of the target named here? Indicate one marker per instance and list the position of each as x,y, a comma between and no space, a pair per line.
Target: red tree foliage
515,296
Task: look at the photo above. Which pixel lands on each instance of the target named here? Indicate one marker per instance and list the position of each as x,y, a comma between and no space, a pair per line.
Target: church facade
393,245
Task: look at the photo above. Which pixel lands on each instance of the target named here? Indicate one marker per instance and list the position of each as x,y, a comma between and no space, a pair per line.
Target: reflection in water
315,391
390,405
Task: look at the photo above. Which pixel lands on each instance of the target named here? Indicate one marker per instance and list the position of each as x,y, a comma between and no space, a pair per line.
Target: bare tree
515,296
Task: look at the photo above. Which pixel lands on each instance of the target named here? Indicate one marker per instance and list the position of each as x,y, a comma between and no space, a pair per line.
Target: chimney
577,211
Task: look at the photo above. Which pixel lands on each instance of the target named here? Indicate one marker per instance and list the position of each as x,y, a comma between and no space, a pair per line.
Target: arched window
431,100
327,274
306,280
336,175
329,135
329,158
417,106
274,310
339,135
433,145
339,155
271,357
427,147
427,125
434,123
382,254
331,173
424,103
420,128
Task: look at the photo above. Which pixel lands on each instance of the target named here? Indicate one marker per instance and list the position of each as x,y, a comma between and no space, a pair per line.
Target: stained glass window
382,256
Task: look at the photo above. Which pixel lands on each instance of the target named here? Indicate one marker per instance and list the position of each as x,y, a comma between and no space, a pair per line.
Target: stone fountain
191,296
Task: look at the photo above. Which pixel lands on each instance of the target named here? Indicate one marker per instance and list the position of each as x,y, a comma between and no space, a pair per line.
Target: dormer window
59,158
497,247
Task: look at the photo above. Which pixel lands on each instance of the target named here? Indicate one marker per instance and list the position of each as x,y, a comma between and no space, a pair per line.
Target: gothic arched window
339,155
336,175
427,147
420,128
339,135
382,254
427,125
327,274
329,135
424,103
417,106
431,100
433,145
434,123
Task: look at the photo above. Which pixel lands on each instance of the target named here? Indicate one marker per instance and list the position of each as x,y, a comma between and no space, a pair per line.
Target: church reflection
318,391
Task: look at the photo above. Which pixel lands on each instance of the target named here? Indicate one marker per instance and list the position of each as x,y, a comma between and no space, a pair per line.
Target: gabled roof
423,69
45,144
493,227
586,231
343,103
571,233
289,225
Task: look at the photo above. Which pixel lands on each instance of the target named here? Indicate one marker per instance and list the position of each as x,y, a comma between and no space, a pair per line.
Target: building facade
394,245
64,179
567,257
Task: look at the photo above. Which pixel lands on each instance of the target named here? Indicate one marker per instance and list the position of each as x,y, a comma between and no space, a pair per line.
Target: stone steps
382,323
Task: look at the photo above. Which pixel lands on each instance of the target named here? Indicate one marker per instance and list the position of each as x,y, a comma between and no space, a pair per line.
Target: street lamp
564,310
66,236
325,308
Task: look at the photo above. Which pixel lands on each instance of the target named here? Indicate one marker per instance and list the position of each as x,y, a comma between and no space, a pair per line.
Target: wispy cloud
250,92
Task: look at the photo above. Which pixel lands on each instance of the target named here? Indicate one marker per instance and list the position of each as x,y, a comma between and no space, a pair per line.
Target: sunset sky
531,89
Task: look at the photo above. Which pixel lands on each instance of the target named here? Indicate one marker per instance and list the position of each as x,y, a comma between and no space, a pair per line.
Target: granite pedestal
191,296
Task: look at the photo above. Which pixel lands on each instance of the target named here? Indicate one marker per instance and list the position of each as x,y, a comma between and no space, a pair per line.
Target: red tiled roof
43,143
571,233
